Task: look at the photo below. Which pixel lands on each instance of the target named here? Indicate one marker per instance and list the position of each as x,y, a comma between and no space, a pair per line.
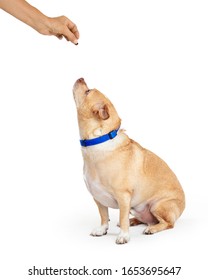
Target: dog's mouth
87,91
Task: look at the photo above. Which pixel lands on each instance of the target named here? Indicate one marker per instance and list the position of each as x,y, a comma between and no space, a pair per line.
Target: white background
150,58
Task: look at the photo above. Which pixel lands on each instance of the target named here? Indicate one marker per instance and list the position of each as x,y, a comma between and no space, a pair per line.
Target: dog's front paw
99,231
122,238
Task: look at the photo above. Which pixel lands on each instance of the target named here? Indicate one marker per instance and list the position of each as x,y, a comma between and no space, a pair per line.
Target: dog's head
96,114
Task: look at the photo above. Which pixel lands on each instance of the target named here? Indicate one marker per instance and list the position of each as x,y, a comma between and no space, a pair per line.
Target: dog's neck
102,150
98,140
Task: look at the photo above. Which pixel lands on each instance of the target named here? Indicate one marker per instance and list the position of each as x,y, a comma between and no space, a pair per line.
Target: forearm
28,14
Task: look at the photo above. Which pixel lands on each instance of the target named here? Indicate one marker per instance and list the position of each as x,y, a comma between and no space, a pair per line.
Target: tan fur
121,174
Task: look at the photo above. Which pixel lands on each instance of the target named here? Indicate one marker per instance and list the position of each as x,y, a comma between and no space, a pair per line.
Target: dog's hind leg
166,212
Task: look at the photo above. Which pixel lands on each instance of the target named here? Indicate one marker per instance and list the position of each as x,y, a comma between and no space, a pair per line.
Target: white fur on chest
99,193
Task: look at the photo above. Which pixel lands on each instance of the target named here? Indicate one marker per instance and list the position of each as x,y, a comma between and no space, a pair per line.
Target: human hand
63,27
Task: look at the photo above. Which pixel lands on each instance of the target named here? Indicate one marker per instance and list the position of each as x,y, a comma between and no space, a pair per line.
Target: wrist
42,24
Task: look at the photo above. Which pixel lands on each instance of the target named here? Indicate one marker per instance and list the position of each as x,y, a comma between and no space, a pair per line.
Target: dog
121,174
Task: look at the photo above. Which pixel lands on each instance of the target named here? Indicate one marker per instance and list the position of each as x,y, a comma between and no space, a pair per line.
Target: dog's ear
101,111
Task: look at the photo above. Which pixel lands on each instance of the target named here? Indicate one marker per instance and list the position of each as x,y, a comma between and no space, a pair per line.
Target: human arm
58,26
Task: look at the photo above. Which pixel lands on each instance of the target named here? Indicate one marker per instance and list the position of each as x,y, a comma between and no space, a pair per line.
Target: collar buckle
84,143
112,134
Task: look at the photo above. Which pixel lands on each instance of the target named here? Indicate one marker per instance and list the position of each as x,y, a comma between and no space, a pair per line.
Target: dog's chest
99,192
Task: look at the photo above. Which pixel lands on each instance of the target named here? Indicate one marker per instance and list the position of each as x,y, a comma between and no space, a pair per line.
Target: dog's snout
80,82
79,88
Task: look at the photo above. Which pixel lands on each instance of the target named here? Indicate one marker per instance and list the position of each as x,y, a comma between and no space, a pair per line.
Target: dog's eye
87,91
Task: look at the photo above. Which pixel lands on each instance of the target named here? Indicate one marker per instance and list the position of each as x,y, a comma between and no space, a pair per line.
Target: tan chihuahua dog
119,173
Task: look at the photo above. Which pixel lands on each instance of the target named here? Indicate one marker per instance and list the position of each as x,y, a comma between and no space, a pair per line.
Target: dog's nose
81,80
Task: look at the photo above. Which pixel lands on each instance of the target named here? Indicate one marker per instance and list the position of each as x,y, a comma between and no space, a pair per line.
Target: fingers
59,36
70,36
73,34
64,27
73,28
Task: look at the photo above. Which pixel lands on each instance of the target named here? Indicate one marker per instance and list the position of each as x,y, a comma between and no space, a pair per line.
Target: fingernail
76,42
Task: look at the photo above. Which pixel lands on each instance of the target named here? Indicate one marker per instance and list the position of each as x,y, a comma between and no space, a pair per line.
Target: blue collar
98,140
